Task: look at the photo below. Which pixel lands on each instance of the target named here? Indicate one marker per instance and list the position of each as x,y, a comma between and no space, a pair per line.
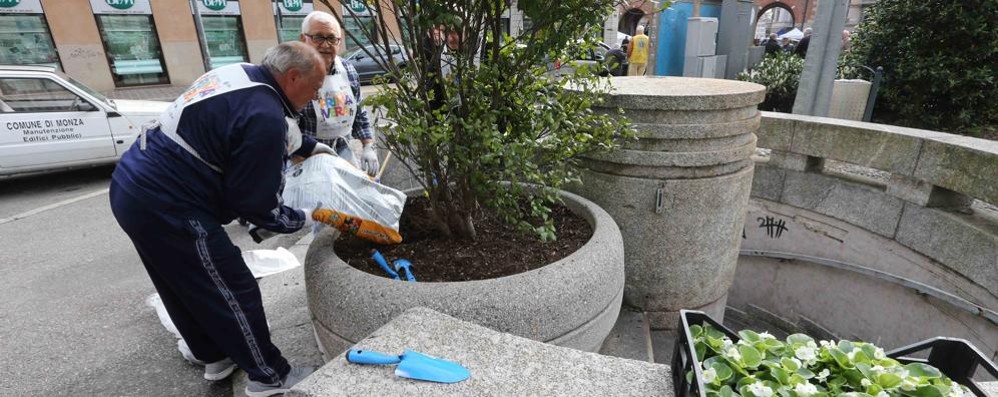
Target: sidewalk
168,93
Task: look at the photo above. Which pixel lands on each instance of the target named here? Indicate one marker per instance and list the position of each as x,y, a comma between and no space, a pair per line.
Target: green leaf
854,377
923,370
696,330
749,336
840,358
780,375
888,380
750,356
846,346
789,364
798,339
726,391
806,373
865,370
930,391
724,372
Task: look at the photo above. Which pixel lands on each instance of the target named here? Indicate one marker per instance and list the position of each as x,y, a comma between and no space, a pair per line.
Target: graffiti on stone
774,228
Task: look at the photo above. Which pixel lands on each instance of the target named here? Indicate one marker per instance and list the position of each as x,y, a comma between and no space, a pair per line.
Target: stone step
629,337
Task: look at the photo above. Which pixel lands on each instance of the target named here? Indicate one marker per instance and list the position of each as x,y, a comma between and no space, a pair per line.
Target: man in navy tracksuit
220,156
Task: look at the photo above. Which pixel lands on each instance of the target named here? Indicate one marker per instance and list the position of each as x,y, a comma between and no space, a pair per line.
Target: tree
940,62
474,108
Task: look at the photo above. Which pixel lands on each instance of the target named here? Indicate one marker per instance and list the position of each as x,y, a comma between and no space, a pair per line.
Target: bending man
216,154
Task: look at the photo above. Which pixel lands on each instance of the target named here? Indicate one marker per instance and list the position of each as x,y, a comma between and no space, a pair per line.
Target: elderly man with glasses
337,113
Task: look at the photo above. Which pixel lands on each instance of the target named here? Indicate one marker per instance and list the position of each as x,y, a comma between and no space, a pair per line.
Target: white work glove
369,160
322,148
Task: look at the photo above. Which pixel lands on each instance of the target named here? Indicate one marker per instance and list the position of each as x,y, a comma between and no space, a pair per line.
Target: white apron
216,82
336,107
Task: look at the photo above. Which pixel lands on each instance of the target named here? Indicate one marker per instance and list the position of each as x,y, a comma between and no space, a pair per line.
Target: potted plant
711,360
490,134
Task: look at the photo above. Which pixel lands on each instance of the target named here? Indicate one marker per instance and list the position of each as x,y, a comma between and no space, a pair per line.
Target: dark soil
500,250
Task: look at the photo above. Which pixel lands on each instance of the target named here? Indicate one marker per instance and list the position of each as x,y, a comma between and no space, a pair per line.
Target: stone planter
679,192
573,302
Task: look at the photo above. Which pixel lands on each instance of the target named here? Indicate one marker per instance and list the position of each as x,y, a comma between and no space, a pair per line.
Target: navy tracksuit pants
204,283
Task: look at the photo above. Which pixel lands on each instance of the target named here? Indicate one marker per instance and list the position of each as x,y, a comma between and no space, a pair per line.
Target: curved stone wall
893,260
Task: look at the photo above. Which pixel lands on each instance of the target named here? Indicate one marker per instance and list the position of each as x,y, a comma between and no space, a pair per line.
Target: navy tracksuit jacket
173,206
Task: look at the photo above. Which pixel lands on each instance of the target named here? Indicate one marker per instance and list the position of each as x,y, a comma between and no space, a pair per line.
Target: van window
26,95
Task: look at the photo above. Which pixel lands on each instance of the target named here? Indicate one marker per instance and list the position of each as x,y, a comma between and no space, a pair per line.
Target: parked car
366,66
593,58
48,121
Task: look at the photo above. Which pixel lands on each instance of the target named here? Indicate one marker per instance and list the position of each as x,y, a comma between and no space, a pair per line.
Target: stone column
679,193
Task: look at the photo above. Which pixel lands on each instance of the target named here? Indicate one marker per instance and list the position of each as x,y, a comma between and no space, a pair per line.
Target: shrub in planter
473,108
780,73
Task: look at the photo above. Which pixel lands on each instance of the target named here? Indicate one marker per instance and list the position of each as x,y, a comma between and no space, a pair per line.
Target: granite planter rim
572,302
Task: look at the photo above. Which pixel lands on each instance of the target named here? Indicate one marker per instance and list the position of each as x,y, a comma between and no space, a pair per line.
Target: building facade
108,44
774,15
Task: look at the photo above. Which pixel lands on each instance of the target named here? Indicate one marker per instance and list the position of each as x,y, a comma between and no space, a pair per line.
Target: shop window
291,27
224,35
25,40
362,28
133,49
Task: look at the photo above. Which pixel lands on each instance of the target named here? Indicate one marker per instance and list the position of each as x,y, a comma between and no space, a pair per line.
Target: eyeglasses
320,39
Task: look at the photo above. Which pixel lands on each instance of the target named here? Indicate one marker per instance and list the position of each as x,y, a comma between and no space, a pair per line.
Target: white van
48,122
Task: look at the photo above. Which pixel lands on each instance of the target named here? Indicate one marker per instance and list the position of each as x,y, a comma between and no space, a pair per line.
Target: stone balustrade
906,252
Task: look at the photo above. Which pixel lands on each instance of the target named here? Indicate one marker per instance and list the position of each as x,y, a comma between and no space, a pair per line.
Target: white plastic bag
370,210
263,263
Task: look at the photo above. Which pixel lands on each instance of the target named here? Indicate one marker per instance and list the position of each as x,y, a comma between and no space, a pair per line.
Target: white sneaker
257,389
219,370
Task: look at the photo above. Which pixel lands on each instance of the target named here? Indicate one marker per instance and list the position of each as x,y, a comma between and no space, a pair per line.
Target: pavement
73,318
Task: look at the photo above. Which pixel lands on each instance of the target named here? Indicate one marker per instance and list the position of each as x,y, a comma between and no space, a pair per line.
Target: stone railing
898,225
928,168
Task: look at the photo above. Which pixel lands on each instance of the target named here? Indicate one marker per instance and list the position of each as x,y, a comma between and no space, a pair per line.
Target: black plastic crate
956,358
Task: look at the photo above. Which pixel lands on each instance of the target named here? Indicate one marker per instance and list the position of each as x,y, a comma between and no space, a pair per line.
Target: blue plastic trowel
413,365
402,267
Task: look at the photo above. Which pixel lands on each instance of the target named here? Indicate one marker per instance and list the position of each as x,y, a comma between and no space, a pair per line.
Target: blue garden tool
403,266
384,264
413,365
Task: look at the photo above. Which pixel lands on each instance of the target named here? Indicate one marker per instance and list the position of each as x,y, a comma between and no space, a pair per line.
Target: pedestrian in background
801,49
786,45
772,45
616,59
637,53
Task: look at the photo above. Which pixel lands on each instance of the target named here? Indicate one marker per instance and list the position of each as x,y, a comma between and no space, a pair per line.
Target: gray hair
292,55
319,16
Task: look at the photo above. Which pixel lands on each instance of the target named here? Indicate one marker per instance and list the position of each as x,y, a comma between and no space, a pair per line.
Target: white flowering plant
759,365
